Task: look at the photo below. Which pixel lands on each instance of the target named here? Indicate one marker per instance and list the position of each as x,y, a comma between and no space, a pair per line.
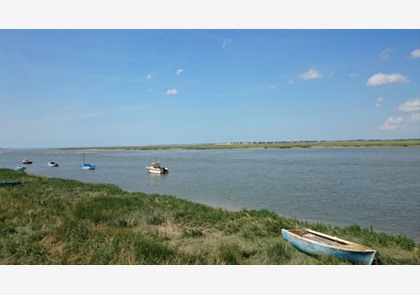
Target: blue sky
72,88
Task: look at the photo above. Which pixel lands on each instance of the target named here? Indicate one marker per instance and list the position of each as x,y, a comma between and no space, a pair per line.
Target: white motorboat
26,161
156,168
20,168
52,164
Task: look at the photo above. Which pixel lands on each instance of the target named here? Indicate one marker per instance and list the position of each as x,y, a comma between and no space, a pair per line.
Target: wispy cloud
179,72
149,76
311,74
415,53
392,123
226,42
379,101
409,114
410,106
171,91
385,54
380,79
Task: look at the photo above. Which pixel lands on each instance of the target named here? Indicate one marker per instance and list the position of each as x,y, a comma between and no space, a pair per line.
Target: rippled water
372,187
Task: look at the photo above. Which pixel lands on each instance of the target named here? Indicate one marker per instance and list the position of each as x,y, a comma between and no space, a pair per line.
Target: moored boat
86,166
316,243
26,161
20,168
157,168
52,164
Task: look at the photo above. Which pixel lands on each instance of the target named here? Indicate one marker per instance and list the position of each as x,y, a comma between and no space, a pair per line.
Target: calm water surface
372,187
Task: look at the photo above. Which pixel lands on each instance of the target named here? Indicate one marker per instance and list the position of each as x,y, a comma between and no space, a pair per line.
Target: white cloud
409,115
415,53
226,42
149,76
391,123
171,91
379,101
410,106
311,74
386,53
379,79
179,72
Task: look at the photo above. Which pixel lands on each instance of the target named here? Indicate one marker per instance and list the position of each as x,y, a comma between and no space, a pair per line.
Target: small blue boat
86,166
316,243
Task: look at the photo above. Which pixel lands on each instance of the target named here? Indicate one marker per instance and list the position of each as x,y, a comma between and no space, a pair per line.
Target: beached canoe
316,243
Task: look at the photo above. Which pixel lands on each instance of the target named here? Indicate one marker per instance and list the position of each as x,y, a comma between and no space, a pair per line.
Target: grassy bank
274,145
56,221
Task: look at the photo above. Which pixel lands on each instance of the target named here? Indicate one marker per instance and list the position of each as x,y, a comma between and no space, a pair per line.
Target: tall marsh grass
56,221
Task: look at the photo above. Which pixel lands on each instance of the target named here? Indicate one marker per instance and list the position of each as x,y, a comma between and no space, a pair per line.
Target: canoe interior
329,240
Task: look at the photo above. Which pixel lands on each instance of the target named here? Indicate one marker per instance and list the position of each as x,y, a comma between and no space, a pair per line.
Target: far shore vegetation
65,222
272,145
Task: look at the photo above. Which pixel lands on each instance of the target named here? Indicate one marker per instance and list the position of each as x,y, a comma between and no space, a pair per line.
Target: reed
57,221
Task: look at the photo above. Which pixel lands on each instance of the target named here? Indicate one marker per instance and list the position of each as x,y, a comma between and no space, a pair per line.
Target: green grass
56,221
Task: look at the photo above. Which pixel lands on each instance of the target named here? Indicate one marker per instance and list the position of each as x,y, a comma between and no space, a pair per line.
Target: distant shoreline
266,145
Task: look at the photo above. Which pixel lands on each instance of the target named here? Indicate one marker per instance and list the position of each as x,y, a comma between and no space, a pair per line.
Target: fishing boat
157,168
86,166
52,164
26,161
316,243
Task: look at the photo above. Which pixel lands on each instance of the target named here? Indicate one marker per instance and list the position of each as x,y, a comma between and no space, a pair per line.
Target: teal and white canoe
316,243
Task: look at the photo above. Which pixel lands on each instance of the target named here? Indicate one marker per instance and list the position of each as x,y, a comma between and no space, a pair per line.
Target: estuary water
375,188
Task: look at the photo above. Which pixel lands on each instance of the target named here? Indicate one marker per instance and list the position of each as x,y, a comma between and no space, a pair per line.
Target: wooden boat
316,243
156,168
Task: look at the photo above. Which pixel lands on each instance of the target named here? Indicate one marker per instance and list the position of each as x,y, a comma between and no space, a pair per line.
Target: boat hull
87,167
157,170
20,168
330,246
